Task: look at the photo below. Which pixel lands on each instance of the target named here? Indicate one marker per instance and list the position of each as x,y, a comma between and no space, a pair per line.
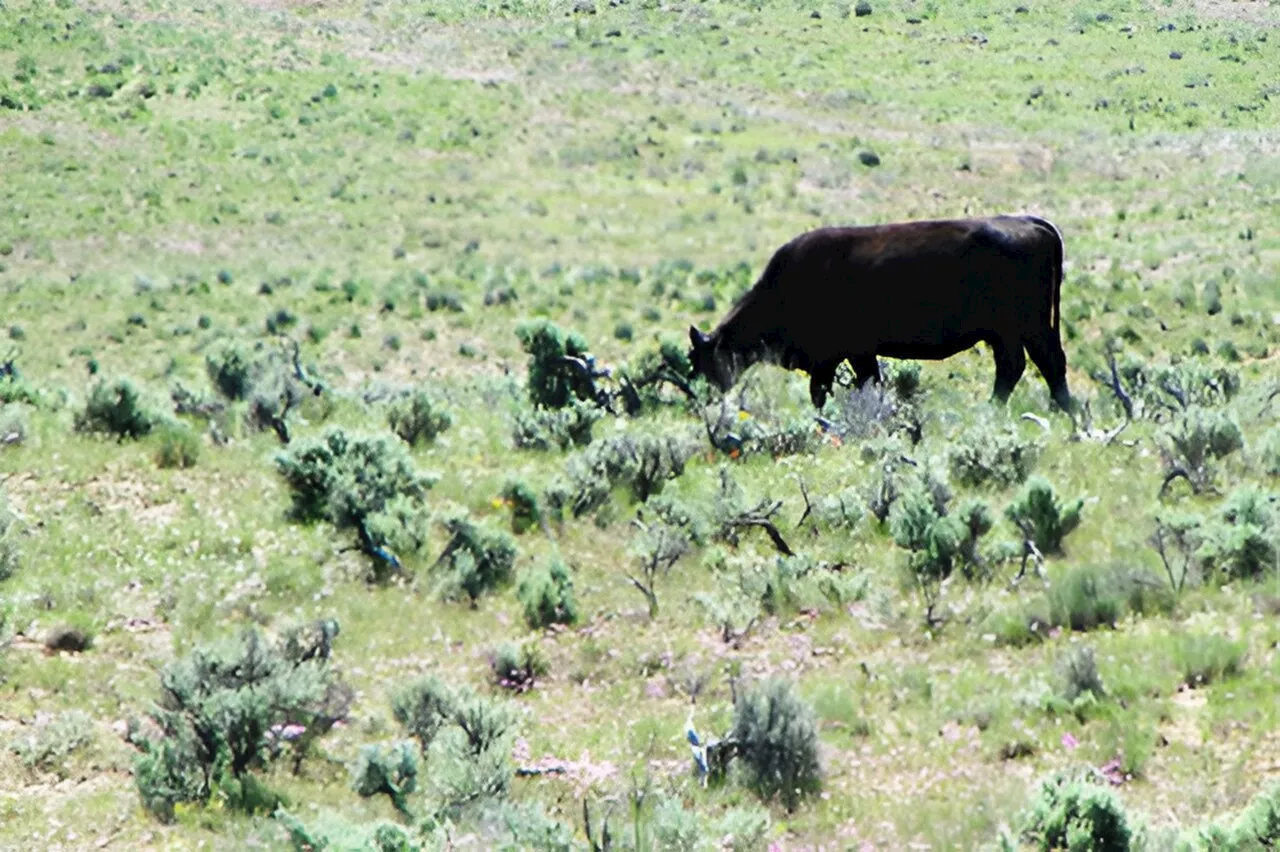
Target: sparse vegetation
301,296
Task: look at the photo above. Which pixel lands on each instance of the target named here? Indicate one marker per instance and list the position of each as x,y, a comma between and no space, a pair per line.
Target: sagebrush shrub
1244,540
327,830
547,596
423,707
642,463
571,425
392,772
480,560
232,369
1269,452
1076,813
1255,828
552,382
526,512
937,541
776,738
1041,517
10,551
1001,456
517,667
365,484
226,710
52,742
417,418
116,408
1078,670
1196,439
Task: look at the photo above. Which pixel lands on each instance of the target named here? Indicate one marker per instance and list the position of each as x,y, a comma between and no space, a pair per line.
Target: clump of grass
1086,597
1194,441
10,551
1078,672
179,446
1000,456
1205,658
47,748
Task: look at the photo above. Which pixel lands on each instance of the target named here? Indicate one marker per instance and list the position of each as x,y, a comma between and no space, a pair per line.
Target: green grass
377,180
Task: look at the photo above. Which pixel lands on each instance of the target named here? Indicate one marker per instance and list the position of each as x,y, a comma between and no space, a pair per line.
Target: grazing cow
925,290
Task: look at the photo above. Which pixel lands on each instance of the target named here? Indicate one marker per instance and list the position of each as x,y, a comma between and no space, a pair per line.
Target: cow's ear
697,338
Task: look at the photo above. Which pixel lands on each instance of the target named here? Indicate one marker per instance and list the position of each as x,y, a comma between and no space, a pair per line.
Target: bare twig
1178,473
808,505
761,517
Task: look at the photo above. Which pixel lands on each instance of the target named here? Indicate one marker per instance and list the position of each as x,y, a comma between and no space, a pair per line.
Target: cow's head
709,361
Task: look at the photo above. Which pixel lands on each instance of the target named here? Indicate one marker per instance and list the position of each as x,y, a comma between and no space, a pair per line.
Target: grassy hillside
273,219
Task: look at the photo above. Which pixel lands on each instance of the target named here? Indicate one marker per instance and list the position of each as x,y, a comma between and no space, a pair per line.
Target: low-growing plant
1078,672
417,418
983,454
392,772
423,707
1269,452
480,560
1074,811
117,409
365,484
517,667
1086,597
571,425
776,738
327,830
225,711
10,551
657,547
1041,518
1243,541
179,446
937,542
1205,658
546,593
53,741
232,369
1255,828
1196,439
644,464
526,513
554,379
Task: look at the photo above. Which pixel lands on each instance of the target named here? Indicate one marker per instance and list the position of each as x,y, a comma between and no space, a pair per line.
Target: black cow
925,290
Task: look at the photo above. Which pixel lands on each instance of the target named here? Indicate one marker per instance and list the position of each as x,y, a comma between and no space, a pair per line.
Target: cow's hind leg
1010,363
865,369
1046,353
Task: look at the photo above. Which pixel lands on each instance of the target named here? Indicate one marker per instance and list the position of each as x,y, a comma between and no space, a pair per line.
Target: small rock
1173,54
869,158
65,638
862,9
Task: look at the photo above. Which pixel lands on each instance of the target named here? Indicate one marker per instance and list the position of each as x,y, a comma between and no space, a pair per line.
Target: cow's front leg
820,381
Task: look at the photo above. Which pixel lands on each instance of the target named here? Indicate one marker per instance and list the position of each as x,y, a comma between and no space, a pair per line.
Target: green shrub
423,707
364,484
1086,597
904,378
225,711
1203,659
517,667
1244,540
523,502
553,383
1192,442
777,740
231,369
937,541
547,596
333,833
1016,625
417,418
480,561
393,773
1000,456
1270,452
116,408
556,429
1255,829
1076,813
14,389
179,446
1078,671
1041,517
14,425
643,463
52,742
10,552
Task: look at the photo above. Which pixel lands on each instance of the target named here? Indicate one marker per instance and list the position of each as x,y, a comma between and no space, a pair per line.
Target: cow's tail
1055,307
